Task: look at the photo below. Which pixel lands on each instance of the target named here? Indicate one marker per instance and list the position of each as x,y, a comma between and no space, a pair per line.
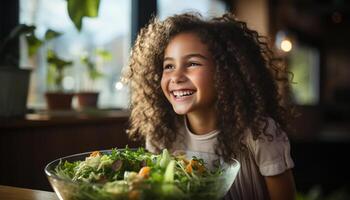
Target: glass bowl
209,188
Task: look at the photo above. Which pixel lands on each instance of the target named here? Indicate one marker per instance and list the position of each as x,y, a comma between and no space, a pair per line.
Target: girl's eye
193,64
168,67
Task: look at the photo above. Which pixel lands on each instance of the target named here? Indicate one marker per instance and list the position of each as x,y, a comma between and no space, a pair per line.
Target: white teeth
178,94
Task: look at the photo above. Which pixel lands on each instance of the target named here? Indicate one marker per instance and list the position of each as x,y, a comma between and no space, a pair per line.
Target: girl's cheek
163,84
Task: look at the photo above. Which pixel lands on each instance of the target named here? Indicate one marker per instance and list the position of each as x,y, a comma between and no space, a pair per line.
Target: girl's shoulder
271,154
272,135
270,131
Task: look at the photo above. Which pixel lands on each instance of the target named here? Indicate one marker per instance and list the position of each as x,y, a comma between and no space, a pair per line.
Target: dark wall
141,13
9,16
9,19
320,163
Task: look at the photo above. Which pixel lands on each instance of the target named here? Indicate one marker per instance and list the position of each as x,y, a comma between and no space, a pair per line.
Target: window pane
105,40
207,8
304,64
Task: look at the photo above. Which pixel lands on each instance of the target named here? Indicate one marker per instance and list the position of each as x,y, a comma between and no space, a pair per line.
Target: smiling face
188,75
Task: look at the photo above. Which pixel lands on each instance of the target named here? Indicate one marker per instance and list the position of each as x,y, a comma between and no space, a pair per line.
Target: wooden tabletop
15,193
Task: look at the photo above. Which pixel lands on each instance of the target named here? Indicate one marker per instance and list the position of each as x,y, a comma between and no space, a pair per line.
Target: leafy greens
137,174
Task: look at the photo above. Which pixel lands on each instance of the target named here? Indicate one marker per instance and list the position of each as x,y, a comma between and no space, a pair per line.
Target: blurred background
77,51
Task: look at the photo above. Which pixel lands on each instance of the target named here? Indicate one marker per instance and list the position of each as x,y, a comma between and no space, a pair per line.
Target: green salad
138,174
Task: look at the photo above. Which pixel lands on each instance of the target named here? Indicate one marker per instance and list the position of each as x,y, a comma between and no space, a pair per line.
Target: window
304,64
208,8
109,32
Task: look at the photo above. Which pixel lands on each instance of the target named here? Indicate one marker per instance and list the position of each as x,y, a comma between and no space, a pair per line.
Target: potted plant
88,96
57,98
14,81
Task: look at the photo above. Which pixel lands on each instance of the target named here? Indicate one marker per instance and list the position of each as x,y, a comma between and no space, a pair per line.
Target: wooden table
15,193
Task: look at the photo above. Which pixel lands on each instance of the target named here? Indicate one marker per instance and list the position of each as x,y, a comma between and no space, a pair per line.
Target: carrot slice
95,153
189,168
144,172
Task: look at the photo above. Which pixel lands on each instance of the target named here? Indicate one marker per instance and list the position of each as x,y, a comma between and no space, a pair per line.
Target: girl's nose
178,76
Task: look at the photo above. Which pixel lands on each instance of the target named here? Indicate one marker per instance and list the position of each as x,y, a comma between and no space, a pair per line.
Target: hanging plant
78,9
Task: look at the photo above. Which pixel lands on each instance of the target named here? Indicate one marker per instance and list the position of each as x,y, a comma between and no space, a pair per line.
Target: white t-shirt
265,158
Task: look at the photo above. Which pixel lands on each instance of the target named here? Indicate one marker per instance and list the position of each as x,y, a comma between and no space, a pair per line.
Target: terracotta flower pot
87,99
59,100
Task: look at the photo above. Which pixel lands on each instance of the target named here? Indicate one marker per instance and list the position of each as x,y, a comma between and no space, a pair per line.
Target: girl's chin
181,110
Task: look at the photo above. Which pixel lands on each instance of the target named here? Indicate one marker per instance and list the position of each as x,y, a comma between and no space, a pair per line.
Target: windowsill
91,113
70,117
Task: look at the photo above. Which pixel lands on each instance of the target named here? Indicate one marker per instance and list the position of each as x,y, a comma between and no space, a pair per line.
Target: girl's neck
201,124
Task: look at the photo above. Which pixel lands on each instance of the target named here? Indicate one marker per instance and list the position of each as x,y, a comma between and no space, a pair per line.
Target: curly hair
247,80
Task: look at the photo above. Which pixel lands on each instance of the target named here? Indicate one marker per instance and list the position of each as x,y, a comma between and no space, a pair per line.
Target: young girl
211,86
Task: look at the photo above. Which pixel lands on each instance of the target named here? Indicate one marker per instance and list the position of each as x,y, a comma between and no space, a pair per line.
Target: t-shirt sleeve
272,156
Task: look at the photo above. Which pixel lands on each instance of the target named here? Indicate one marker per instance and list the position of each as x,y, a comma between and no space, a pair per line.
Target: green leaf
33,44
105,55
52,58
56,68
169,172
51,34
165,159
94,74
78,9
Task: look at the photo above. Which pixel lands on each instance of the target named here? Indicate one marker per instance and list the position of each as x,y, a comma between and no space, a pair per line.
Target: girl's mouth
179,94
